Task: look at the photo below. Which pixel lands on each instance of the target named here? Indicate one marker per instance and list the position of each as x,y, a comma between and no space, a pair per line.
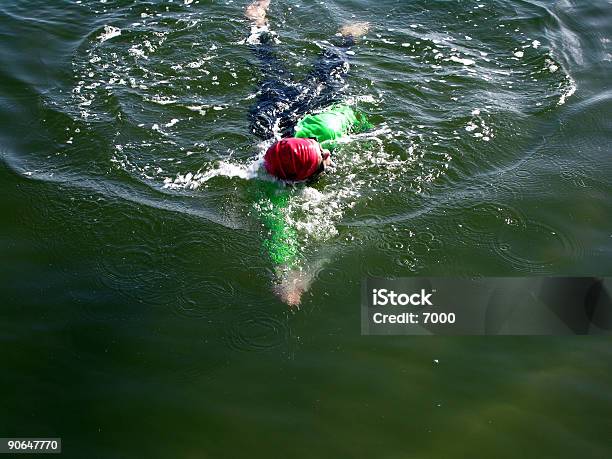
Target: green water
138,317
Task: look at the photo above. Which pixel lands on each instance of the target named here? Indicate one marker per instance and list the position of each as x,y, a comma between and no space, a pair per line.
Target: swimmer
309,120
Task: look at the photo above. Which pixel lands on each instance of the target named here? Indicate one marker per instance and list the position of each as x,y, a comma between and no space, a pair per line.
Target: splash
257,32
109,32
194,181
569,91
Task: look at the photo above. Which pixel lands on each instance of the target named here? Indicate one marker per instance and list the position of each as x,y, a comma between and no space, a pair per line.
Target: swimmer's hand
355,30
256,12
291,288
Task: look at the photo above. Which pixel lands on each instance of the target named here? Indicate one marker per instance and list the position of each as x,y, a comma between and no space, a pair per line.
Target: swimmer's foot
256,12
355,30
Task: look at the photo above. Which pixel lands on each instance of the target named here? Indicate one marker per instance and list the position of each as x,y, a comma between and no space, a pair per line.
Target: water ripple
535,247
256,331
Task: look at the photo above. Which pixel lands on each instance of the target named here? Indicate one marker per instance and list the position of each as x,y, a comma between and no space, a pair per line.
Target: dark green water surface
137,317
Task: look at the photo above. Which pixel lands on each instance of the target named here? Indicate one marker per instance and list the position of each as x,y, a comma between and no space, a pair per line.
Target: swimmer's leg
334,61
261,40
335,58
268,117
326,78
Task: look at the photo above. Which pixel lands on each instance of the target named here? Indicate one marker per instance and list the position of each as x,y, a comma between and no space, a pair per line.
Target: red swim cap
293,159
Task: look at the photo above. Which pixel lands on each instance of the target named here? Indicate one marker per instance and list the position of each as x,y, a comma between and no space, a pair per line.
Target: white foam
568,93
198,108
109,32
462,61
137,52
367,98
199,63
224,169
162,100
256,32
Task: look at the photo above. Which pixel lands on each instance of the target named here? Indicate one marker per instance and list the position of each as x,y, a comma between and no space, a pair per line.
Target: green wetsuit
280,242
330,125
